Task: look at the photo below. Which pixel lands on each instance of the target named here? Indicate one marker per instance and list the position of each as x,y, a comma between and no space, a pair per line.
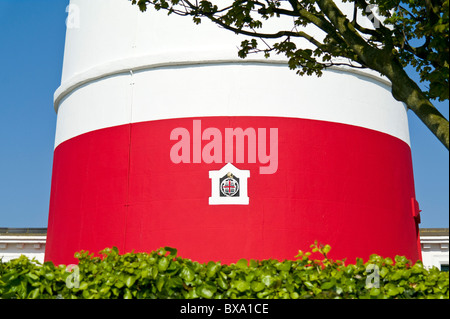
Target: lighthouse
165,137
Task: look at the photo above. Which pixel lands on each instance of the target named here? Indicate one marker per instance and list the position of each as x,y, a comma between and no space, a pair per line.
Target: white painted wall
230,89
434,251
11,247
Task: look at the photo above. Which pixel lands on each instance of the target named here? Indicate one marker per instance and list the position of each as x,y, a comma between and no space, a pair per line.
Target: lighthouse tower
166,138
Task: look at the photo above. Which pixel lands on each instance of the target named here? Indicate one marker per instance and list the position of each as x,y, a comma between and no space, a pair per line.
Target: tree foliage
382,35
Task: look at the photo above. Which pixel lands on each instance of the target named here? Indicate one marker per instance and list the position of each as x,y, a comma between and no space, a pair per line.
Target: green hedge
161,274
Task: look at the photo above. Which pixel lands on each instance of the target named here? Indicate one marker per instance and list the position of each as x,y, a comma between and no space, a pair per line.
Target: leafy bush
161,274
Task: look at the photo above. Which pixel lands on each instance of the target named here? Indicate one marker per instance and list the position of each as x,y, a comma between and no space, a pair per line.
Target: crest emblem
229,185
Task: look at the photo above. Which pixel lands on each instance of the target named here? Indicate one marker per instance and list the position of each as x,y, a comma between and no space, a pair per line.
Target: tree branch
403,88
406,90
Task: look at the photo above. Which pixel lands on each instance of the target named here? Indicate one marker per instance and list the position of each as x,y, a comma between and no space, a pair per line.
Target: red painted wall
346,186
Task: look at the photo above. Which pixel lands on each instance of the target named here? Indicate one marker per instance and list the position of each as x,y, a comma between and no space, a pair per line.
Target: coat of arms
229,186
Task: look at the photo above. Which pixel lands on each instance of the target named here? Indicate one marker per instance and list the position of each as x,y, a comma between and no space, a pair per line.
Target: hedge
161,274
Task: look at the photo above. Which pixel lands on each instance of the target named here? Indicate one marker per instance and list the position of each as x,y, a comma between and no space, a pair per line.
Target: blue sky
32,34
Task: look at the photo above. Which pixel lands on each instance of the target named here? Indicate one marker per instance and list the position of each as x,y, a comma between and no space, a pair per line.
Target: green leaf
86,294
308,285
328,285
104,290
49,276
119,284
393,290
128,294
257,286
187,274
268,280
384,271
206,291
241,285
84,285
212,269
294,295
32,276
160,283
163,264
222,283
34,294
242,264
285,266
375,291
130,281
172,251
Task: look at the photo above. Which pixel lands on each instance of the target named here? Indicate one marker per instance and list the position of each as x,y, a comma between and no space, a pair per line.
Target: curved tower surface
166,138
